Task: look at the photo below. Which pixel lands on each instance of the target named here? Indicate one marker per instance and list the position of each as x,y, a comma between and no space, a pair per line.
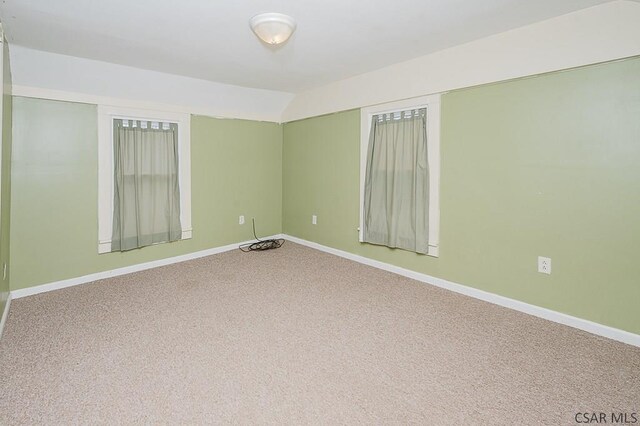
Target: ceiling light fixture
273,28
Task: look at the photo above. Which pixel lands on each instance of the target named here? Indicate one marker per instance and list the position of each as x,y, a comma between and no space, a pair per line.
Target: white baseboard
29,291
548,314
5,314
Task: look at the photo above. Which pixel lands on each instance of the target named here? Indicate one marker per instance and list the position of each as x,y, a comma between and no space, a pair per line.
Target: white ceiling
211,39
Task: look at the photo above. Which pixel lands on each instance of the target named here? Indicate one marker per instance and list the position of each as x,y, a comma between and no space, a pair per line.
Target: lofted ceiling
211,39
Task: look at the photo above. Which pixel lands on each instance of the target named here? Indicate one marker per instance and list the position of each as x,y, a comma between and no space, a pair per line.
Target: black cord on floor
260,245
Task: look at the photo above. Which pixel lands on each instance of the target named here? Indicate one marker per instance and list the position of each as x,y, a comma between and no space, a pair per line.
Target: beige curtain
396,197
146,205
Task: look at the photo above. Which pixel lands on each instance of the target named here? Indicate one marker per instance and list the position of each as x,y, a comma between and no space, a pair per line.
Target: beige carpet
296,336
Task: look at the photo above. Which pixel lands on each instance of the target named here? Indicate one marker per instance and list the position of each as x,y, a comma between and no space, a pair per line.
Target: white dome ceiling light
273,28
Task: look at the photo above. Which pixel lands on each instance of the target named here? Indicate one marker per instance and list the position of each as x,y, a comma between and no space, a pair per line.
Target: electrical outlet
544,265
314,219
241,220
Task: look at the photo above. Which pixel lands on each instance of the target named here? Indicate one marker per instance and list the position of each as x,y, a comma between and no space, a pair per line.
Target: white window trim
106,115
432,104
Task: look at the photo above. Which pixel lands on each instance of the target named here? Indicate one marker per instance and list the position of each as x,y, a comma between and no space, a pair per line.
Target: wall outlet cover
544,265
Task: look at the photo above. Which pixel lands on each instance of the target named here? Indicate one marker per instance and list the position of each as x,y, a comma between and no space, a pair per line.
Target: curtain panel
396,195
146,205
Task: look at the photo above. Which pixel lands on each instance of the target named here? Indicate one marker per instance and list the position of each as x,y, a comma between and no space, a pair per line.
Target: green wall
5,179
539,166
236,168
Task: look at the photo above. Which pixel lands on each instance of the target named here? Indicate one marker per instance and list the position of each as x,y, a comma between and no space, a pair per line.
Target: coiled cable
260,245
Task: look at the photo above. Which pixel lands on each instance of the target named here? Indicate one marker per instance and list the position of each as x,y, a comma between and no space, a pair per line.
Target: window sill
105,246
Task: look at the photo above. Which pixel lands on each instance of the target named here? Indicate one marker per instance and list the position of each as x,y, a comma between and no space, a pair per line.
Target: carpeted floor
297,336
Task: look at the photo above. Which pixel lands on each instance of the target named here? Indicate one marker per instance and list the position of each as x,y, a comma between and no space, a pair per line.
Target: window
400,175
143,178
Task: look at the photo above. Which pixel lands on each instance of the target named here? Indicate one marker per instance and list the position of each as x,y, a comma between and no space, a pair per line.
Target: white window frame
432,104
106,115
